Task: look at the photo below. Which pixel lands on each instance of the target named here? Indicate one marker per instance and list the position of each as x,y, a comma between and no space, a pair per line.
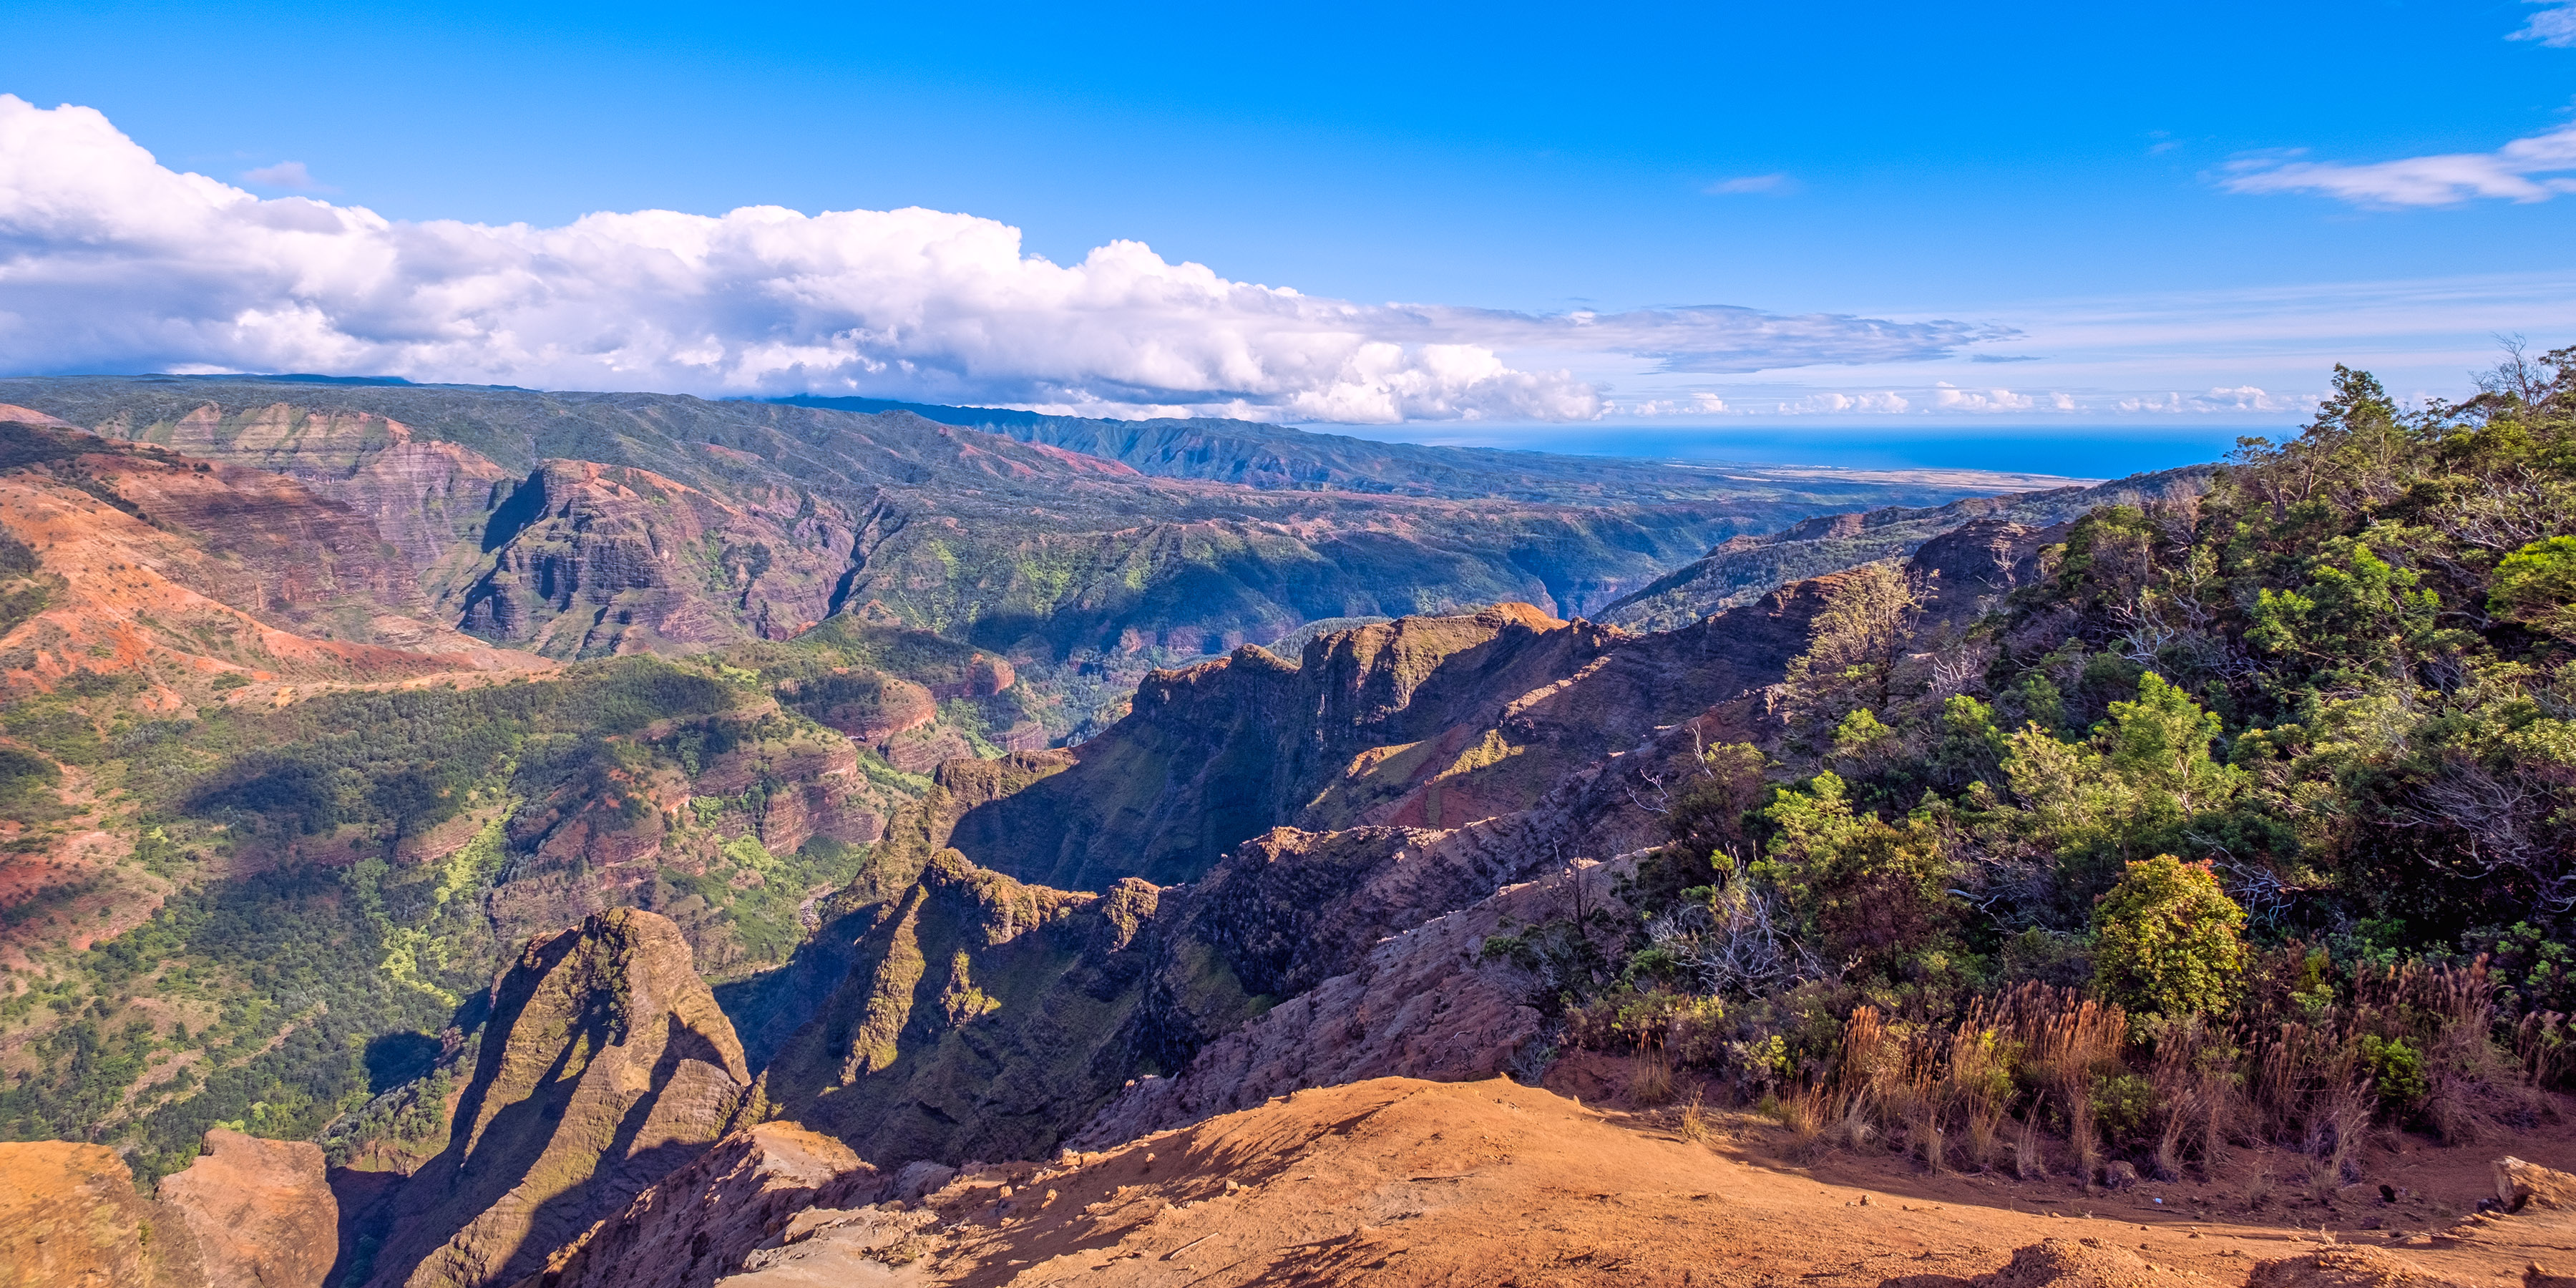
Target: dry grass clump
1694,1126
2414,1045
1805,1112
1650,1076
2034,1069
2544,1045
2197,1093
2072,1043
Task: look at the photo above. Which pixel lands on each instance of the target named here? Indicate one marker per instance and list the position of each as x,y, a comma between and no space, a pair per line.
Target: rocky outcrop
696,1224
982,677
978,1017
1219,753
1742,569
1423,722
69,1218
591,559
1415,1005
261,1212
605,1067
942,987
868,706
2520,1185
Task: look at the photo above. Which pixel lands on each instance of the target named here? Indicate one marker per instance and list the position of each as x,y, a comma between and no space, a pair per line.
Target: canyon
644,840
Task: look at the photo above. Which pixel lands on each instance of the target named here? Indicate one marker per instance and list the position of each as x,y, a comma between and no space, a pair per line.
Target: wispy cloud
115,262
2515,172
2520,171
1699,339
1765,185
290,175
2554,25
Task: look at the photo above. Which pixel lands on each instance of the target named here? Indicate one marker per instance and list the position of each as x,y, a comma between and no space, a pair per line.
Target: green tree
2160,745
1852,646
2536,586
1871,895
2166,940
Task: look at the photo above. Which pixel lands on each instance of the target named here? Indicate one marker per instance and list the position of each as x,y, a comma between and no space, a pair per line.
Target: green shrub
1866,892
2536,586
2396,1071
2166,940
2123,1105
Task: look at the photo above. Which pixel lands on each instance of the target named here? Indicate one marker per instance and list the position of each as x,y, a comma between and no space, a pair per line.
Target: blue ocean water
2072,449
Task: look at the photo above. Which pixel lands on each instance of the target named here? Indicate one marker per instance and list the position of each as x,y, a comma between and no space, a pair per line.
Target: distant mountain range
1278,456
577,525
1743,569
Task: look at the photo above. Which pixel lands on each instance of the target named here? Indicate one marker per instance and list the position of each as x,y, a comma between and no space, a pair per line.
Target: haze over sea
2076,451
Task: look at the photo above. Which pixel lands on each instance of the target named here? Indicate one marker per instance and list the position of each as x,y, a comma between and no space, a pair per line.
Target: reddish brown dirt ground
1400,1182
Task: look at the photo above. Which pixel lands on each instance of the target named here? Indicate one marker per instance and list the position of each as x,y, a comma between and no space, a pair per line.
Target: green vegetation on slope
2253,816
348,867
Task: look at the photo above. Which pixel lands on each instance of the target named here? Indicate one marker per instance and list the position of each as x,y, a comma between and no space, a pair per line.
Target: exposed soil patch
1400,1182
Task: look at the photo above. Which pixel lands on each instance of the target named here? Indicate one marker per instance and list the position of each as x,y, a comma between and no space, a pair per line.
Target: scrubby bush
2166,942
2205,836
2536,586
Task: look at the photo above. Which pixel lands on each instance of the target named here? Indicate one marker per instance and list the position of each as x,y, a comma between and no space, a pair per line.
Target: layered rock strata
695,1224
606,1067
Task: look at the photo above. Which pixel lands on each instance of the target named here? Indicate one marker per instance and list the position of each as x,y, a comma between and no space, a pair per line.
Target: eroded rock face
591,559
2521,1185
1219,753
1423,722
425,495
1414,1005
261,1211
696,1224
176,567
69,1218
978,1016
966,1022
607,1066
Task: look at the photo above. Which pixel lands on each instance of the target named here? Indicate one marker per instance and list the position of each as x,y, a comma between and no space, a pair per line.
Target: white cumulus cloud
2239,398
110,261
1884,402
1692,404
1950,397
2527,169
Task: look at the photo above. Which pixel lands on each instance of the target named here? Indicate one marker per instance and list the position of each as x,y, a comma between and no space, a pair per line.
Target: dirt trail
1401,1182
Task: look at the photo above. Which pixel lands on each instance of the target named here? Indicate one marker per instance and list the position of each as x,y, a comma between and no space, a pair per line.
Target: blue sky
2124,202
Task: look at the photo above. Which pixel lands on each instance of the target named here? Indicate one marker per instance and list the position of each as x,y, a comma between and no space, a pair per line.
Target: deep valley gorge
474,837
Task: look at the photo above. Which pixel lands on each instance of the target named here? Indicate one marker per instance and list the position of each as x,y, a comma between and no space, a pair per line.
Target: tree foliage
2166,940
